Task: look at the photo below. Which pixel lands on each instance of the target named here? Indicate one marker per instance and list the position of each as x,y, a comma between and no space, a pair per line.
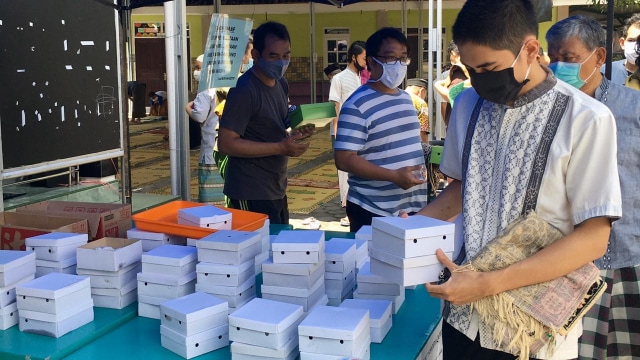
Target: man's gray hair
586,29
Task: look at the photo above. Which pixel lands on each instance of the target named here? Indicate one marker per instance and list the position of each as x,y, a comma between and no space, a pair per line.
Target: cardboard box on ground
104,220
16,227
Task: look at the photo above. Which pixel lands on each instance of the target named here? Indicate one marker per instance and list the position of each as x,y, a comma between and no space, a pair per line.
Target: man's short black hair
269,28
498,24
357,48
374,42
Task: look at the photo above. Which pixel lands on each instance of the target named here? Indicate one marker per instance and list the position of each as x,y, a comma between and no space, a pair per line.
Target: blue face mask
570,72
245,67
274,69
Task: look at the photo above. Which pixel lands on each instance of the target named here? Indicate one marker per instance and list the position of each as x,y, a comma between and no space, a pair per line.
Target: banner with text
226,43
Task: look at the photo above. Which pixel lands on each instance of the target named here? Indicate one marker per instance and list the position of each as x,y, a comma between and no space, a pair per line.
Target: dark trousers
358,217
277,210
457,346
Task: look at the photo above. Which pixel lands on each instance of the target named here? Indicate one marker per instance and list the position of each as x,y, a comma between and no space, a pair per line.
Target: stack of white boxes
335,333
298,259
376,287
54,304
379,316
206,216
168,272
56,251
113,265
226,267
151,240
403,249
265,240
363,239
265,329
16,268
194,324
340,273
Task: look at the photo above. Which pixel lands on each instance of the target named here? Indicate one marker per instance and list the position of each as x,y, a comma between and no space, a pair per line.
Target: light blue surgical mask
245,67
392,75
273,69
570,72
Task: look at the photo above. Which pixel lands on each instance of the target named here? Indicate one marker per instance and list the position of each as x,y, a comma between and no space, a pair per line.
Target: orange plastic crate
164,219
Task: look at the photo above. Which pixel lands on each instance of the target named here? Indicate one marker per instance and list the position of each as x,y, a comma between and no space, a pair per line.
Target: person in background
158,103
378,137
518,141
543,58
331,70
611,327
253,132
342,86
633,81
442,85
450,88
417,88
621,69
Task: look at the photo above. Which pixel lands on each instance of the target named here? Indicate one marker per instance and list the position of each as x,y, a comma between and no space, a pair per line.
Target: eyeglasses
392,60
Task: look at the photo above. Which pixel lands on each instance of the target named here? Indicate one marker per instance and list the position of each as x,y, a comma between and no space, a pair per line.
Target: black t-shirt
256,112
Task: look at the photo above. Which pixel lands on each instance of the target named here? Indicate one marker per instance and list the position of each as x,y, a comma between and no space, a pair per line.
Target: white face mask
630,51
392,75
196,75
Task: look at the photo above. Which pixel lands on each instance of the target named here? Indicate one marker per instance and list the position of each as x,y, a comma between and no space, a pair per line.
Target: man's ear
601,56
532,47
255,55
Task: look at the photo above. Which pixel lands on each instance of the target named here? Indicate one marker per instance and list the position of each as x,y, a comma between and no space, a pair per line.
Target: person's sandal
345,221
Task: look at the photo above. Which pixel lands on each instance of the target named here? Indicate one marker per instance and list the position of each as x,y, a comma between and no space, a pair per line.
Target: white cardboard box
50,325
370,283
236,296
362,250
301,276
56,246
194,345
259,260
192,242
409,248
148,244
266,323
229,247
53,293
112,279
8,293
168,287
172,260
44,270
148,310
363,354
225,225
225,275
412,227
204,215
324,325
340,255
406,271
304,297
298,246
132,285
16,265
240,351
115,302
135,233
379,315
8,316
396,301
109,254
340,288
194,313
364,233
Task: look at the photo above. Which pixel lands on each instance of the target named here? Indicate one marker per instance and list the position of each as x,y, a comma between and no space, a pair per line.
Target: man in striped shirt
378,137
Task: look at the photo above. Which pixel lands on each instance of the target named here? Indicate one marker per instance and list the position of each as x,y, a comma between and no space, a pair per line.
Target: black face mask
500,87
357,65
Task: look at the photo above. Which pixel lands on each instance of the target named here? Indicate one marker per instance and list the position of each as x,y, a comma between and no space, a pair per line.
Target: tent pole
313,59
610,11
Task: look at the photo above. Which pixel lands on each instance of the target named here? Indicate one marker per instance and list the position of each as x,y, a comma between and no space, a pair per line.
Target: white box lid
365,275
378,309
213,268
172,255
41,316
166,279
10,259
340,249
296,292
65,263
364,233
266,315
405,262
299,240
57,239
263,352
204,214
231,290
416,226
125,289
194,306
291,269
53,285
146,235
334,322
229,240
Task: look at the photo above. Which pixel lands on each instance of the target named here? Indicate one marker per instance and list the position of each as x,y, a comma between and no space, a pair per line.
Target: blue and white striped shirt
383,129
